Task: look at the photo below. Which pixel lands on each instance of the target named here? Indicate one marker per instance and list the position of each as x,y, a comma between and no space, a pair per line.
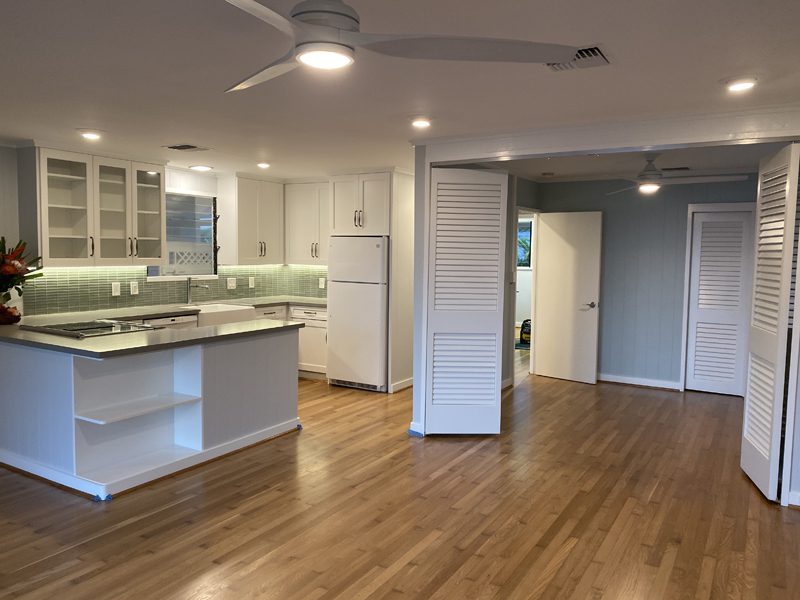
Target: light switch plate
115,291
251,281
322,283
231,283
134,288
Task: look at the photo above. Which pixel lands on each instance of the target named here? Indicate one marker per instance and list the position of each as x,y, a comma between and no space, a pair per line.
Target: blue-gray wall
643,263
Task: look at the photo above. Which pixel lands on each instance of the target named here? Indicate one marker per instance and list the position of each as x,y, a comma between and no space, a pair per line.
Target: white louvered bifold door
720,290
769,320
465,301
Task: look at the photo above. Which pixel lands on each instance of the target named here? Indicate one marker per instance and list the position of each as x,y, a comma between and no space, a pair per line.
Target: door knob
591,305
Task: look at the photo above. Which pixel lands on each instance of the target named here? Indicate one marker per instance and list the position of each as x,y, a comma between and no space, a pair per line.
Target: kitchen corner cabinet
360,204
307,223
99,211
259,219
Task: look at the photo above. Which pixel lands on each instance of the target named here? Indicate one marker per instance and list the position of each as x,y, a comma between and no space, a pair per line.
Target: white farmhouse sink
219,314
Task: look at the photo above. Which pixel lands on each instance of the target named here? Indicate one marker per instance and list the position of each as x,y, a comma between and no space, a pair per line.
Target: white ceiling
717,160
152,72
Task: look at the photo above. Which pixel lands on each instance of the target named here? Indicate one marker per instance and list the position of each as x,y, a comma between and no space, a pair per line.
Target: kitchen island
105,414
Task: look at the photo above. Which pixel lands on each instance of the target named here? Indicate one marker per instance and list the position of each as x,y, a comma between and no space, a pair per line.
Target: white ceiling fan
326,33
651,178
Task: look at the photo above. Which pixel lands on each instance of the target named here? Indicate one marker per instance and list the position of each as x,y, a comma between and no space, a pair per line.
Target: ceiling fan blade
701,179
444,47
633,187
276,69
267,15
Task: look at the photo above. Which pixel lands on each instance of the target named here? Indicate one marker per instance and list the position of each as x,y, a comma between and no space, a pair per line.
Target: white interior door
568,248
720,287
769,320
466,271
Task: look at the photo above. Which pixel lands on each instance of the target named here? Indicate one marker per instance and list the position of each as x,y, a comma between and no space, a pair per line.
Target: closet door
465,301
769,319
720,288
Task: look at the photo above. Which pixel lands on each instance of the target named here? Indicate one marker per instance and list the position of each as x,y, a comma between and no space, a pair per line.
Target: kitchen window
191,237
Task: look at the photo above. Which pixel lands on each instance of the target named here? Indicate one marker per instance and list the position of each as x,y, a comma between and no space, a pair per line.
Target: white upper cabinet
307,227
100,211
361,204
259,231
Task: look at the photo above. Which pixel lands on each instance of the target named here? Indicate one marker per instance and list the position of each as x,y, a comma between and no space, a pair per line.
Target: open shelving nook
136,414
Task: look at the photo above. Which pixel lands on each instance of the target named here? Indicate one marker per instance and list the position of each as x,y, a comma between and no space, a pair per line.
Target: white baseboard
653,383
416,429
507,383
400,385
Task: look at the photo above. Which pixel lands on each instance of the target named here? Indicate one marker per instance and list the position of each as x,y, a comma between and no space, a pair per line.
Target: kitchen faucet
190,285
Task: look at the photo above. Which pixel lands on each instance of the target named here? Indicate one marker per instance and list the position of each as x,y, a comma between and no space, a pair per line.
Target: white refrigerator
358,308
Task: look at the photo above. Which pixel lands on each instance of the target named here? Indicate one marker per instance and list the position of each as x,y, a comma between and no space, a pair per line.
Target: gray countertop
166,310
141,341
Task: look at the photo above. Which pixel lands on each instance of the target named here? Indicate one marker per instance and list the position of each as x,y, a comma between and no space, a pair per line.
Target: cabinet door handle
355,218
312,249
265,248
136,244
361,218
130,246
91,239
316,249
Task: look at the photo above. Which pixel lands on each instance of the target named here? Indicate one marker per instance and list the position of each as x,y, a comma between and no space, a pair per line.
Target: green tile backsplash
89,288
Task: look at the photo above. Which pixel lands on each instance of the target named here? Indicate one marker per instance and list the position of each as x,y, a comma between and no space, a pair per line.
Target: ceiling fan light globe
648,188
325,56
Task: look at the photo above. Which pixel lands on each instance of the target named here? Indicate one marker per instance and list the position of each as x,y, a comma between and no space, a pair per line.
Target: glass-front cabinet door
149,231
67,217
114,244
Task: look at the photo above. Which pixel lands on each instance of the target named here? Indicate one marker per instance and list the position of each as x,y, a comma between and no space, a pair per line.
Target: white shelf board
114,210
122,469
148,239
112,181
67,177
154,186
112,237
67,206
136,408
66,237
148,212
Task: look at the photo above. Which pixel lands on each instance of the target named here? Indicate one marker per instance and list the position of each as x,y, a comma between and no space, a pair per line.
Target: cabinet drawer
306,313
272,312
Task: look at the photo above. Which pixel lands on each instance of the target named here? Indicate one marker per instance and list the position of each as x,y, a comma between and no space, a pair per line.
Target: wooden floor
600,491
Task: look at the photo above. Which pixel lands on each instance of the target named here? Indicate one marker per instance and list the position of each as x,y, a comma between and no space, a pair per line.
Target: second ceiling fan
326,33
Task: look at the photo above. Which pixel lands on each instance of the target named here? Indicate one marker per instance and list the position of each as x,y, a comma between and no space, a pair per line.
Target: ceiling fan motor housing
328,13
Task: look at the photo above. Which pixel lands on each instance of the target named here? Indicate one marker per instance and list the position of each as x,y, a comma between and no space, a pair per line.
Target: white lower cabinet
313,343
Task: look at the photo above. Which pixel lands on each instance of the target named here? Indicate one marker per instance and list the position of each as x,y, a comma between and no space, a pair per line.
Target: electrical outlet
231,283
251,281
115,291
322,283
134,288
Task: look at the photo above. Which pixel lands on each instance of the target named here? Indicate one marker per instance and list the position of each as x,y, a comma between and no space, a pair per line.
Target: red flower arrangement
15,270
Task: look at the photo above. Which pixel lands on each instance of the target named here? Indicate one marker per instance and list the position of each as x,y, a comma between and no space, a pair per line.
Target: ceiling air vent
186,148
585,58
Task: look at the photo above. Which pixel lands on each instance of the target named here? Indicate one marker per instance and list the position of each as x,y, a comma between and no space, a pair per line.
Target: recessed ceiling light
152,172
738,86
421,123
90,134
324,55
200,168
648,188
263,165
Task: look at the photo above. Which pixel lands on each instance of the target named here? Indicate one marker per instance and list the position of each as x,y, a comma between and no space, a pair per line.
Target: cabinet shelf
112,237
120,469
111,181
148,212
154,186
128,410
113,210
67,237
66,177
67,206
148,239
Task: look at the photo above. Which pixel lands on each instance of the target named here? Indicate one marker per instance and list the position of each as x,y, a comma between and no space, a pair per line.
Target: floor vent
585,58
186,148
360,386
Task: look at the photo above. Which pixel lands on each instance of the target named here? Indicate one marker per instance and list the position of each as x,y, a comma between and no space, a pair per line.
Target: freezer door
357,336
358,259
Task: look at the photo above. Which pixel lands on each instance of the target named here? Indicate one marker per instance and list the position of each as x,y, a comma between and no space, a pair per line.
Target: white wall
9,214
